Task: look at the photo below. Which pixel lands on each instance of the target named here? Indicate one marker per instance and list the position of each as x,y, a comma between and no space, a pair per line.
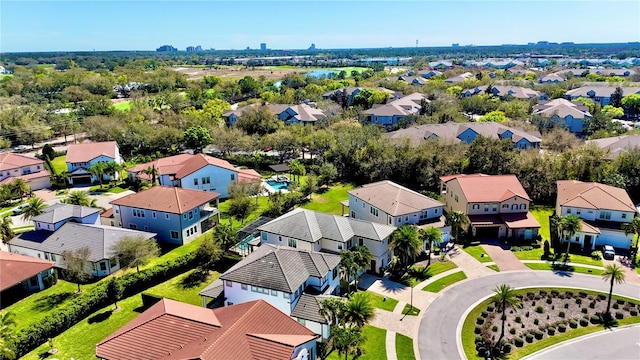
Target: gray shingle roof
312,226
58,212
281,268
73,236
394,199
308,308
213,290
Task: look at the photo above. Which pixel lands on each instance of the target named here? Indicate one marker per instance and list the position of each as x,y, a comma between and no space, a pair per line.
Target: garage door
77,180
617,239
487,232
40,183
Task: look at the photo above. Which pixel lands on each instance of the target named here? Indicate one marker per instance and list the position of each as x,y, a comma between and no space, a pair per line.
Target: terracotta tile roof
167,199
588,228
591,195
489,188
27,178
174,330
520,220
15,268
10,161
86,152
394,199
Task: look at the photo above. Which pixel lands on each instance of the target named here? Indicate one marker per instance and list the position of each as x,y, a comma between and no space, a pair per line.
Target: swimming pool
278,185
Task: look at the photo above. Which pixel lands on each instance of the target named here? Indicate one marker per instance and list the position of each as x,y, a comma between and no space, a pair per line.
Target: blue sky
145,24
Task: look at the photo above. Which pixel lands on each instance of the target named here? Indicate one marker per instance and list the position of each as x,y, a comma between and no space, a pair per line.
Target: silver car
608,252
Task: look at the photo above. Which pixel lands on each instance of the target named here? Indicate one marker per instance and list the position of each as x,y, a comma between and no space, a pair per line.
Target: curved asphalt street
438,333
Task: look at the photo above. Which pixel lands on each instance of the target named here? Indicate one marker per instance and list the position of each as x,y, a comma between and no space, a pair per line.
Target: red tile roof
174,330
77,153
591,195
26,178
10,161
15,268
167,199
488,188
520,220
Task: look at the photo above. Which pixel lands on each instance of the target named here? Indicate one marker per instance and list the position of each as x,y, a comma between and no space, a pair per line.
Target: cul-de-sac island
438,202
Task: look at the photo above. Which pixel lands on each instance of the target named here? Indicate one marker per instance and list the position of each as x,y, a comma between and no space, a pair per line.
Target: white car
608,252
21,148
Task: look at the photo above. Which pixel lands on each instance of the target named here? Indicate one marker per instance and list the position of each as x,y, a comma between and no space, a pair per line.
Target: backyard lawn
59,164
374,346
478,253
123,106
329,201
184,287
442,283
542,213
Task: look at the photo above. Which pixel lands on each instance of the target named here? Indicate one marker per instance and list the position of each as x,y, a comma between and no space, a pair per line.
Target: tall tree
633,228
457,219
153,172
332,309
240,208
224,235
405,243
34,207
6,233
348,340
114,291
615,274
296,169
76,263
348,266
504,298
77,198
197,138
20,188
569,225
208,253
362,257
616,97
98,169
359,310
113,169
431,235
135,251
7,335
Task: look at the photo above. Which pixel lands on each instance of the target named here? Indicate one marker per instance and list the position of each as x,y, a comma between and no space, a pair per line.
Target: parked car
18,210
608,252
21,148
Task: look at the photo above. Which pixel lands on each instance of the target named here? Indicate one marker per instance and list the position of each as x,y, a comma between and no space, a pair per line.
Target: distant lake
320,73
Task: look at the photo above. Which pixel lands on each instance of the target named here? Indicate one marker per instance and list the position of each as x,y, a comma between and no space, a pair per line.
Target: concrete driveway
440,327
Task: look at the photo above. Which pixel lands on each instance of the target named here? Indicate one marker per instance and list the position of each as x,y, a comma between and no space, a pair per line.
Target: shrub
573,324
484,314
539,309
595,255
512,331
543,292
518,319
481,350
518,342
561,314
584,310
554,292
480,320
494,328
551,331
566,306
595,319
538,334
604,297
582,294
619,315
584,322
506,348
578,301
568,294
549,300
620,301
529,338
562,328
477,330
536,321
527,314
592,304
633,312
615,306
478,339
490,308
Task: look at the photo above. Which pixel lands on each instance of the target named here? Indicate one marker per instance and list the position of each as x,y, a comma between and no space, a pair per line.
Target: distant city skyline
41,26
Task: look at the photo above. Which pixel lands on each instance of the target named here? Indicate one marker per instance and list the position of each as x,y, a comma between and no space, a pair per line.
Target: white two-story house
31,170
289,279
195,172
176,215
80,157
315,231
497,205
603,210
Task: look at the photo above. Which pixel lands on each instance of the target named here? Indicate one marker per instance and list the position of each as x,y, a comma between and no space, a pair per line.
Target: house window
476,206
302,321
166,216
153,214
117,211
103,266
279,238
523,206
286,295
505,206
53,257
190,215
624,215
435,211
293,243
206,180
605,215
568,211
263,236
184,216
494,207
339,246
456,198
373,211
195,182
138,213
254,288
577,212
486,207
274,292
113,262
233,177
228,283
243,286
360,242
335,272
514,207
174,234
133,226
146,228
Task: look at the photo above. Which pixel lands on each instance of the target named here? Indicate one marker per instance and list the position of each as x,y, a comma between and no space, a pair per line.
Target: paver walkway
504,258
467,263
631,276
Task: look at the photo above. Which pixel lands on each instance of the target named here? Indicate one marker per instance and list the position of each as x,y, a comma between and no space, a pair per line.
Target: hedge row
87,303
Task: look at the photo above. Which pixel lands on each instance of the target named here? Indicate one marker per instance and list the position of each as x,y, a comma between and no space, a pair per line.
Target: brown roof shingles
488,188
15,268
77,153
170,329
167,199
591,195
394,199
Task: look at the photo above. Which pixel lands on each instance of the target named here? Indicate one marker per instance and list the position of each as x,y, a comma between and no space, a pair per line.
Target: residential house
292,280
23,272
599,94
173,330
31,170
195,172
617,145
440,64
552,78
505,92
80,157
428,74
391,113
599,71
603,210
290,114
414,80
315,231
496,205
466,133
72,227
460,78
176,215
564,112
351,92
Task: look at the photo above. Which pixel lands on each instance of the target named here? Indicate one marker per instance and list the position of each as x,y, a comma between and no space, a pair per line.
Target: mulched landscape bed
545,313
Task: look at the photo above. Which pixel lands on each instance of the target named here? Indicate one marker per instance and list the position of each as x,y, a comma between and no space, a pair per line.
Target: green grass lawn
494,267
478,253
263,204
123,106
59,164
535,254
378,302
438,267
404,347
184,287
442,283
408,310
374,346
576,269
106,189
542,213
329,201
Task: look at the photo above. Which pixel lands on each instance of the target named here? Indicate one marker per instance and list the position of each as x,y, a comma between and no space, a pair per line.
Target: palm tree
348,266
613,273
430,235
112,168
633,228
153,172
77,198
362,257
257,158
7,335
504,298
405,243
359,309
98,169
34,207
569,225
457,219
5,229
333,309
348,340
20,188
296,169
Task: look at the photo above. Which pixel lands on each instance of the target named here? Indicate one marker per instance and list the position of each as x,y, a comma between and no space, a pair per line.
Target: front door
587,242
373,266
